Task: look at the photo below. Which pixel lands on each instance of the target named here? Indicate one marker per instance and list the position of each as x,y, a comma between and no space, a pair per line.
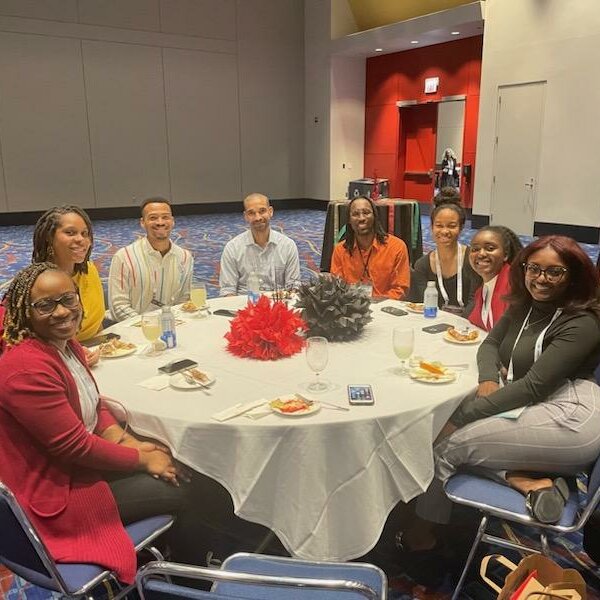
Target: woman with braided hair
492,251
60,443
64,235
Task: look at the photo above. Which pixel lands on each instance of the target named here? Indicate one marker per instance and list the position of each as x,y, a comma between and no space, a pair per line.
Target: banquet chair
256,576
23,552
494,499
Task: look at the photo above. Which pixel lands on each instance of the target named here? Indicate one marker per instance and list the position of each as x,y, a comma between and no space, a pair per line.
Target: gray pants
560,436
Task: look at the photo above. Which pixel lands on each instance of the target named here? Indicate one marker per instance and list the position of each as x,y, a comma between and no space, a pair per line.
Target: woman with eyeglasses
537,362
60,442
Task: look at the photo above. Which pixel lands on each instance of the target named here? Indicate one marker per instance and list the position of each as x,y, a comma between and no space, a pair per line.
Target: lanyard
537,352
487,291
438,270
365,263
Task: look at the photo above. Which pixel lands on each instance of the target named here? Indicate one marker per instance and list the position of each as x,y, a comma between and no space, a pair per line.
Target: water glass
317,356
403,341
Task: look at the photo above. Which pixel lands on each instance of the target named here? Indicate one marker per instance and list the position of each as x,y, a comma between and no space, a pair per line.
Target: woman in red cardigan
492,250
57,434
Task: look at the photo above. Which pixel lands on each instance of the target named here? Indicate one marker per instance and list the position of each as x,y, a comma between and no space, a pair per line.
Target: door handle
430,173
529,184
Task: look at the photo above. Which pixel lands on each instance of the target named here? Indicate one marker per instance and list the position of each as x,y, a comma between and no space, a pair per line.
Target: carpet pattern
205,236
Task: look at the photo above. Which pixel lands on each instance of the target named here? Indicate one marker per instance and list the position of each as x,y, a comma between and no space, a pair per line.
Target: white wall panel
203,126
44,127
271,67
126,107
204,18
56,10
128,14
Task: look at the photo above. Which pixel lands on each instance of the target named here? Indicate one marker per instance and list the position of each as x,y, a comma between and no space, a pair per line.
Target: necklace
535,322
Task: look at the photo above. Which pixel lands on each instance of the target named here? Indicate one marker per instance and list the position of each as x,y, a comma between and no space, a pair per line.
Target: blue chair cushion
281,567
491,496
140,530
157,589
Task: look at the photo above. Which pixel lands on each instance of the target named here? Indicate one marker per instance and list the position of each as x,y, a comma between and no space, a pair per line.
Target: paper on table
259,412
158,382
237,410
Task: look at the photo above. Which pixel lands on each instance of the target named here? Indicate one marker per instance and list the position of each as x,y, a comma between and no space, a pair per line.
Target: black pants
204,510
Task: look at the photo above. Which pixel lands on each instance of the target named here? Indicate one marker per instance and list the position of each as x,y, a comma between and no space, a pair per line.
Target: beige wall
104,102
557,42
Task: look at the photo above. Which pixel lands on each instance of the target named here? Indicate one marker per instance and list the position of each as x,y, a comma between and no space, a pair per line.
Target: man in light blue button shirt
271,254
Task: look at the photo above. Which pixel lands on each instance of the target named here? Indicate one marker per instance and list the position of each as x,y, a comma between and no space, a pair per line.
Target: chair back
248,586
21,549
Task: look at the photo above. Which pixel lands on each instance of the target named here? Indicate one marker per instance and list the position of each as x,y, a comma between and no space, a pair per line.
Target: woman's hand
486,388
159,465
92,358
144,445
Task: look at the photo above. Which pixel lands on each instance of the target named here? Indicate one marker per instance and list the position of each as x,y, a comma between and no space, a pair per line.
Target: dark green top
571,350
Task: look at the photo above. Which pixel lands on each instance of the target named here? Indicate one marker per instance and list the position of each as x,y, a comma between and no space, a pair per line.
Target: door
417,150
517,155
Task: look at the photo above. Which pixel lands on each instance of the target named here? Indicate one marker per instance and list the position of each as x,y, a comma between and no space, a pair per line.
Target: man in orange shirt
370,256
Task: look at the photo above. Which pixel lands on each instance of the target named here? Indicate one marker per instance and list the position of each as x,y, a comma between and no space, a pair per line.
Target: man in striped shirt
153,270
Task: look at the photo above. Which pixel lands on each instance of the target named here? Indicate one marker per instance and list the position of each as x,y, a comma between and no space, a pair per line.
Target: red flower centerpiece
266,331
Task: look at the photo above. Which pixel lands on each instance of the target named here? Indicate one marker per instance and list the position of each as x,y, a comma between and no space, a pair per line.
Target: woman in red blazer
57,434
492,250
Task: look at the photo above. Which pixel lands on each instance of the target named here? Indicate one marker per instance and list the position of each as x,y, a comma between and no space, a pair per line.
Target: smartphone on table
437,328
393,310
360,395
177,366
100,339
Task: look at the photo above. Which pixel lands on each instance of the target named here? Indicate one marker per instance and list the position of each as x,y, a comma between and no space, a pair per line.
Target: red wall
401,76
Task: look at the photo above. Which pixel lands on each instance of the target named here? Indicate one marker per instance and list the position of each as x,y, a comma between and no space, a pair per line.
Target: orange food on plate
469,336
189,306
198,375
431,368
290,406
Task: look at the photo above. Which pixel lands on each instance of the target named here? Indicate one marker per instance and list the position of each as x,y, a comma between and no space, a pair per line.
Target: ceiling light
455,33
414,41
378,49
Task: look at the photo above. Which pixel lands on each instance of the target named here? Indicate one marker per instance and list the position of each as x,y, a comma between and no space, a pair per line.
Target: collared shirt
277,264
140,274
487,292
385,266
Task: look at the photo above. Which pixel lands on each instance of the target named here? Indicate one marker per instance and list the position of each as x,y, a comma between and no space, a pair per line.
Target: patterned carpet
205,236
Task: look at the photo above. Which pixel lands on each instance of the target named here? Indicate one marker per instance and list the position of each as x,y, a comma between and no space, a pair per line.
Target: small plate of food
189,307
432,372
116,348
294,406
414,307
191,379
462,336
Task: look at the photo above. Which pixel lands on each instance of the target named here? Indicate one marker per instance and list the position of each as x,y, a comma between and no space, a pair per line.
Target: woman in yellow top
63,235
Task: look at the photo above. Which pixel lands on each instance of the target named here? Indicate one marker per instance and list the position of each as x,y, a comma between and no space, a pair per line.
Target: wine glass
317,356
151,331
198,294
403,341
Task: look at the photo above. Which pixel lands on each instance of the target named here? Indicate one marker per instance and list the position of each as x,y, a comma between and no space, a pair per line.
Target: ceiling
466,18
375,13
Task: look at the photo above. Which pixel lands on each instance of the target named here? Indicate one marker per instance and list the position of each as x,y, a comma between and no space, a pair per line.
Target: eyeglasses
356,214
46,306
552,274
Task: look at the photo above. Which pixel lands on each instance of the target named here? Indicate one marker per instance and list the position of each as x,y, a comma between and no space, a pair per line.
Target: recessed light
378,49
455,33
414,41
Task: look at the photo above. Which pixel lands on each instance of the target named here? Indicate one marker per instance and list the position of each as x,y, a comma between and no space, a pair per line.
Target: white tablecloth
326,482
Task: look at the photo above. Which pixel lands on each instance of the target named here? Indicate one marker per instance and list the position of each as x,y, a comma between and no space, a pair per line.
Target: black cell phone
360,395
225,312
100,339
178,366
392,310
437,328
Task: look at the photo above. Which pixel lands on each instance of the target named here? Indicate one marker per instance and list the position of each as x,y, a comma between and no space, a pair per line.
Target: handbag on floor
536,577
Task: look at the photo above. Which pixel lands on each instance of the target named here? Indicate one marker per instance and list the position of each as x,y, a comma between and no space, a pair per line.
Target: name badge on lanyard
537,352
440,280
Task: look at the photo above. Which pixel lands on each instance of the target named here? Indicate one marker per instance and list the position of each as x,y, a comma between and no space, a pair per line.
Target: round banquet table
325,482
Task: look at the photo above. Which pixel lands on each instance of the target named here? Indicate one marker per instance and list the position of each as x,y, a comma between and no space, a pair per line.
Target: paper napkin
158,382
237,410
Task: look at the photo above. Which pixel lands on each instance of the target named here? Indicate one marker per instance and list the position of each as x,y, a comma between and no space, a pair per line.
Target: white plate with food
432,372
414,307
116,348
462,336
192,379
293,406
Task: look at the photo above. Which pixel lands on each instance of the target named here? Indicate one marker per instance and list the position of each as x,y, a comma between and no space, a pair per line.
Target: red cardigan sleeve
38,400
